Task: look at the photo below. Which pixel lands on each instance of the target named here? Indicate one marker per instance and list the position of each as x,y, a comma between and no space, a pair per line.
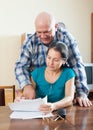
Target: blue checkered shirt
33,54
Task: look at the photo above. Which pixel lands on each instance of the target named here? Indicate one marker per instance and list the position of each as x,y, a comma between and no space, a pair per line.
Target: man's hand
29,92
83,101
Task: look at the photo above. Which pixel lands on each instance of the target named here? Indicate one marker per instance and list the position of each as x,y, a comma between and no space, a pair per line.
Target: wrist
29,86
82,94
53,107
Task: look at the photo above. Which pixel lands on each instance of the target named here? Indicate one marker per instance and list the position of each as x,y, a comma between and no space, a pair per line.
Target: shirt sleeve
34,74
76,62
69,74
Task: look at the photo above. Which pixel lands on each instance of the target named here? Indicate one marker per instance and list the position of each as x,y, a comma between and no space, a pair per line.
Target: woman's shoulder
40,69
69,70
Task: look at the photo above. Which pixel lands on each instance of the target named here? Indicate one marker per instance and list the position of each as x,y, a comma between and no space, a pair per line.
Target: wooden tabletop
78,118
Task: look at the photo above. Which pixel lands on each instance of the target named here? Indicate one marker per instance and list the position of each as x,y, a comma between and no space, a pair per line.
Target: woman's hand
46,108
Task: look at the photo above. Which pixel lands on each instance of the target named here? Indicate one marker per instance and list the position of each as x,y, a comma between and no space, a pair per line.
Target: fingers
46,108
84,101
29,94
74,101
19,98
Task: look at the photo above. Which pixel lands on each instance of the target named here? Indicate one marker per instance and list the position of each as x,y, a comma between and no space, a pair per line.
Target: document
28,109
29,115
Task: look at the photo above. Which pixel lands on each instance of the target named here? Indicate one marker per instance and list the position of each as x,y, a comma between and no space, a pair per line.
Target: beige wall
17,16
9,52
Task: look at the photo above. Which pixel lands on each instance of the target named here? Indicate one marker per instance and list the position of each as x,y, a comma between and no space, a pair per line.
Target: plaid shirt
33,54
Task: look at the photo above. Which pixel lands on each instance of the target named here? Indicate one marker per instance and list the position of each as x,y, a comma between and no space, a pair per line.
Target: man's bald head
45,18
45,27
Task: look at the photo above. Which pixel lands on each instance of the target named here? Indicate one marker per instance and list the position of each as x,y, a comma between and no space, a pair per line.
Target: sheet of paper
28,109
29,115
27,104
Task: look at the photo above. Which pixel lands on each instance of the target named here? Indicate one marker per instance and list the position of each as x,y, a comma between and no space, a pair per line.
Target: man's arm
75,61
22,67
24,64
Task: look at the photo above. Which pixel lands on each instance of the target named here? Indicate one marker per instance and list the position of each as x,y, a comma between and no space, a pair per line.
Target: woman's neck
51,72
52,76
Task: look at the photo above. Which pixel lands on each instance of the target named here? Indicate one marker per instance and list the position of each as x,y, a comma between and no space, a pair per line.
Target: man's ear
56,26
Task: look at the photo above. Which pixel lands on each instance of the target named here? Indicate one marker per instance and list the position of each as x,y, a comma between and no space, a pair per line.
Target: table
78,118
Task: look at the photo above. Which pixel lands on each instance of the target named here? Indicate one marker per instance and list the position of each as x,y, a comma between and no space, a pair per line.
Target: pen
19,96
43,116
18,93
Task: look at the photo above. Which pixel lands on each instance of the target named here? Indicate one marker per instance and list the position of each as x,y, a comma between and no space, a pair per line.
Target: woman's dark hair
61,48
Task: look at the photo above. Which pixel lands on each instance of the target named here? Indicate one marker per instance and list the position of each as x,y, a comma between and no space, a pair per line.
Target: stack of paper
28,109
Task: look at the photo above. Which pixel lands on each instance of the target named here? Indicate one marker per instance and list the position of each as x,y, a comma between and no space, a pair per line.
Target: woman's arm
66,101
69,95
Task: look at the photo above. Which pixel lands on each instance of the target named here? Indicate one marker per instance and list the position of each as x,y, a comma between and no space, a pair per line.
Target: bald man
33,55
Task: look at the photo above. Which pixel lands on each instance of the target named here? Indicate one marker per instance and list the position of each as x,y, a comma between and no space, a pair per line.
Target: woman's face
54,60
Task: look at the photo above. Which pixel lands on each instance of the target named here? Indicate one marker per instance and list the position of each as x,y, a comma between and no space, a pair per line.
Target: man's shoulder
64,35
32,40
63,29
31,36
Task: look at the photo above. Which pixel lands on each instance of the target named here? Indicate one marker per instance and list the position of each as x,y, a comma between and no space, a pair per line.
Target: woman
56,79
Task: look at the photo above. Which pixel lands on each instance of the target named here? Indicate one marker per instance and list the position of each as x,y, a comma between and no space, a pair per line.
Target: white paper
28,109
29,115
26,105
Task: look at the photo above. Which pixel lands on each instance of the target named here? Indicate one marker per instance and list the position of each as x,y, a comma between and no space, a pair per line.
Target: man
33,55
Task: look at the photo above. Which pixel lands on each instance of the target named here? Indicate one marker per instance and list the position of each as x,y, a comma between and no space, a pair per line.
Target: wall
17,16
9,52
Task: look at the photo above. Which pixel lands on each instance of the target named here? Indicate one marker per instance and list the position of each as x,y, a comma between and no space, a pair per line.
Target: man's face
45,33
